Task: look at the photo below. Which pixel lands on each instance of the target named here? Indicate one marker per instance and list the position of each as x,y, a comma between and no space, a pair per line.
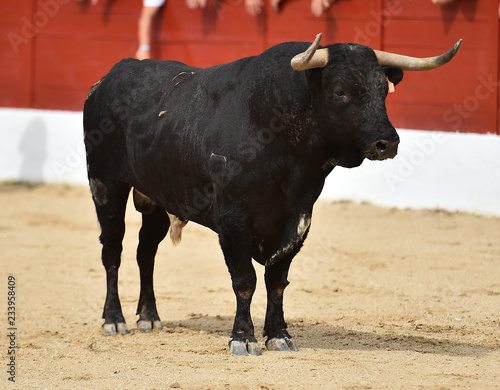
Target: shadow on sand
322,336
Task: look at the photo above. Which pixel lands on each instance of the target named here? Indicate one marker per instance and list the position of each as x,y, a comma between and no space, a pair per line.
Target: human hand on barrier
192,4
275,5
253,7
319,6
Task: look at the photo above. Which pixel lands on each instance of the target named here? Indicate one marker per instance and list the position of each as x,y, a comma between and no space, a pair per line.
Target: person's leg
149,10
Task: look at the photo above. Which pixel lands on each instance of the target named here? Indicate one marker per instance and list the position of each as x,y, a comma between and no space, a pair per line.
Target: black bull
242,148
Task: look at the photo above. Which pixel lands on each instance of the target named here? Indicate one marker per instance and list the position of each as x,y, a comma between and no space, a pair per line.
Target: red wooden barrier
53,50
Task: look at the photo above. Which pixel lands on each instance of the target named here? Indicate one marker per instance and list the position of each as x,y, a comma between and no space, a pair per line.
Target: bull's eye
339,96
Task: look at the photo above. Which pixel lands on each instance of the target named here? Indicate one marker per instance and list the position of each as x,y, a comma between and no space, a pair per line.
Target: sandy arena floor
379,299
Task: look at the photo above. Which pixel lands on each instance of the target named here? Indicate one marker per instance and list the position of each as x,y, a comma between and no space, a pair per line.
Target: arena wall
433,170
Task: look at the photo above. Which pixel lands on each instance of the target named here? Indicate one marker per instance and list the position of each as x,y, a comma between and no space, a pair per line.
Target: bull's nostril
381,149
381,146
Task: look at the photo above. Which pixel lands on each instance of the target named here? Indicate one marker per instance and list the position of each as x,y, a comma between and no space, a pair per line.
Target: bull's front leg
236,248
278,338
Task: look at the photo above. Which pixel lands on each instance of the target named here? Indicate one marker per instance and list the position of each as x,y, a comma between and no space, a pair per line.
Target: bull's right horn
311,58
414,63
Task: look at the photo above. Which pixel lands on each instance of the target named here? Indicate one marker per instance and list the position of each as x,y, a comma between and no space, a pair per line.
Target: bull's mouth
381,150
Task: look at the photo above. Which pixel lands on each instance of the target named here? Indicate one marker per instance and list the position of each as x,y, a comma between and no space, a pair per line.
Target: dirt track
379,299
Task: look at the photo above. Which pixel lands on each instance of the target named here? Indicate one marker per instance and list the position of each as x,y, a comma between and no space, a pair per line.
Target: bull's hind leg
110,201
154,229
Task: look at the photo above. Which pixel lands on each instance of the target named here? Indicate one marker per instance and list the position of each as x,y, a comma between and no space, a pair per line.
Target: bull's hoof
112,328
244,348
148,326
281,344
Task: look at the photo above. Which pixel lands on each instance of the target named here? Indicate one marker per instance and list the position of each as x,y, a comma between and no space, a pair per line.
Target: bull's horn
413,63
311,58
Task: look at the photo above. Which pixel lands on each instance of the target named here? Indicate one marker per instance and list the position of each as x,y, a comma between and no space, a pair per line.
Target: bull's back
122,104
130,88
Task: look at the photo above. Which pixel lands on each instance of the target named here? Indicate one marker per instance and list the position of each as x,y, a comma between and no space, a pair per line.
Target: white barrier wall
42,146
450,171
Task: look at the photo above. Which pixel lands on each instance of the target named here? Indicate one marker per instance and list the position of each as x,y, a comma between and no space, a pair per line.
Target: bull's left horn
414,63
311,58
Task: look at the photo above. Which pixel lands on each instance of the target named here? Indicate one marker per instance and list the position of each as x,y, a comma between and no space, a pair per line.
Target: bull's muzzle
382,149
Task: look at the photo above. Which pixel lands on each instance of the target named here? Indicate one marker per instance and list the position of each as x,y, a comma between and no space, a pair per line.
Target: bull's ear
395,75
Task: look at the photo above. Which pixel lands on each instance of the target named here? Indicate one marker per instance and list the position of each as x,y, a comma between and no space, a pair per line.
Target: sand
379,299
